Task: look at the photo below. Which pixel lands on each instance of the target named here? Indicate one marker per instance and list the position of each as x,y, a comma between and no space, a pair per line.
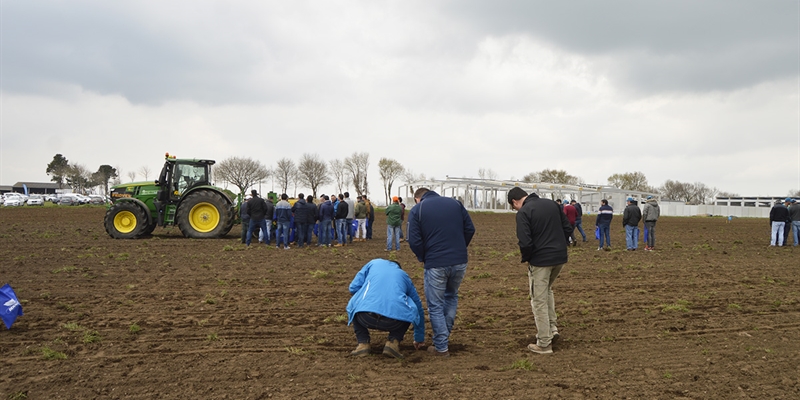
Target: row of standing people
347,220
783,218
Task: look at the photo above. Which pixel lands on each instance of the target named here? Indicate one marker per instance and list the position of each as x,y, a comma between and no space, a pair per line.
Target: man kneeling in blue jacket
385,299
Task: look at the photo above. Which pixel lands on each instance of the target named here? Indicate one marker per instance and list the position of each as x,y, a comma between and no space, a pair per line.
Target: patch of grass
228,247
319,274
523,364
296,350
122,256
50,354
482,276
73,326
340,318
65,307
677,245
353,377
18,396
64,269
134,328
91,337
222,282
681,305
290,303
668,375
734,306
210,299
212,337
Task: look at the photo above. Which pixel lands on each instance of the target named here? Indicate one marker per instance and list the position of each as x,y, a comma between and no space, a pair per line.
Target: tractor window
187,175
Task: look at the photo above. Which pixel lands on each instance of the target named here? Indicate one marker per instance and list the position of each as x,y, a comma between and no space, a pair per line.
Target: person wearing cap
794,215
650,215
572,216
542,232
579,219
777,219
393,223
257,210
630,220
603,222
384,299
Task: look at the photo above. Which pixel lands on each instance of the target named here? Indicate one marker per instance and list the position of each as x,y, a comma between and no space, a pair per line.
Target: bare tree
132,175
390,170
630,181
552,176
357,165
241,172
145,172
339,174
674,190
285,172
792,193
313,172
486,173
117,179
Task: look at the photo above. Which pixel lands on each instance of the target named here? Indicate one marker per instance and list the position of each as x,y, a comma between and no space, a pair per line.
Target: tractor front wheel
125,220
204,214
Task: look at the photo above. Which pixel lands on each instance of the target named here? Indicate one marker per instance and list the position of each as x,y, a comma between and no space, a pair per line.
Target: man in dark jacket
299,210
256,209
325,219
777,218
579,220
311,218
603,221
630,220
439,232
245,221
542,231
342,210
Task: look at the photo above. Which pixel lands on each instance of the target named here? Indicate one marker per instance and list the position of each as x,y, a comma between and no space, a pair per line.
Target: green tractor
181,196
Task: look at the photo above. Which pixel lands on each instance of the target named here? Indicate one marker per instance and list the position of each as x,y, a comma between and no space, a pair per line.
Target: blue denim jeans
364,321
349,230
579,227
796,232
605,233
441,294
255,223
282,234
300,232
309,233
392,234
777,233
324,229
632,236
341,230
650,234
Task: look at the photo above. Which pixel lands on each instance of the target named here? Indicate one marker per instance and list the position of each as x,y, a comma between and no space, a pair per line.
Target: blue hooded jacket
383,288
439,231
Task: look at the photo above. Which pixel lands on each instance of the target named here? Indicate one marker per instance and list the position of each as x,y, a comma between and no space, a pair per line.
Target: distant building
33,187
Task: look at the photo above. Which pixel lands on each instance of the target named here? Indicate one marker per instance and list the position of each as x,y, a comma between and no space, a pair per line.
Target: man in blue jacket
300,212
603,221
439,231
385,299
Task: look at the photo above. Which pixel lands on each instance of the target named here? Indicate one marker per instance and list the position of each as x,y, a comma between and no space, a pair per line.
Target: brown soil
713,313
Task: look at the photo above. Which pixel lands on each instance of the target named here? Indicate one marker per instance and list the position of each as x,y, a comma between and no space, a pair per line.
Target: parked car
35,200
13,201
68,200
96,199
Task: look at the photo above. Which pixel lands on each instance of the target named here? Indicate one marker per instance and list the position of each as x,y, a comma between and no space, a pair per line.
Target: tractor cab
177,177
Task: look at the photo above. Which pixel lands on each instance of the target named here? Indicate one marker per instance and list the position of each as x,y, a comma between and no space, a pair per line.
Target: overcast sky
691,91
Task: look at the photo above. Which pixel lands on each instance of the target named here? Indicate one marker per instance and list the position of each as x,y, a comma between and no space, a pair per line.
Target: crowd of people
336,221
784,217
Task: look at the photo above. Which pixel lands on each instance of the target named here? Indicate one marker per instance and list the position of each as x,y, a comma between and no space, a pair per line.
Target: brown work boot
392,349
432,351
361,350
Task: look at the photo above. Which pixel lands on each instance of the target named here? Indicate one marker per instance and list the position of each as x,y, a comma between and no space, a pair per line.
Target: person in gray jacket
650,214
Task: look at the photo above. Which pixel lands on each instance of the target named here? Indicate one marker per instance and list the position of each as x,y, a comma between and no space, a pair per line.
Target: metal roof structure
491,195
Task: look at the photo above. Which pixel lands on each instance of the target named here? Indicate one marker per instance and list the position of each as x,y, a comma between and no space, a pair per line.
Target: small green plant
482,276
50,354
734,306
296,350
677,245
353,377
91,337
228,247
210,299
681,305
523,364
64,269
319,274
122,256
65,307
668,375
340,318
212,337
18,396
134,328
73,326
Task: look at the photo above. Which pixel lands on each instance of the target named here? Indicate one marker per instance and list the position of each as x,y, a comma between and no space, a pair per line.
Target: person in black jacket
300,210
543,232
257,210
311,218
777,218
579,220
630,220
341,222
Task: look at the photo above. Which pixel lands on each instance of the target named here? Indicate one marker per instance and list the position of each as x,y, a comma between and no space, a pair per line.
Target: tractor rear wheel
125,220
204,214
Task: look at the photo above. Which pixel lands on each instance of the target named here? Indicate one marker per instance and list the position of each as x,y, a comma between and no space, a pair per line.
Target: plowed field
713,313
